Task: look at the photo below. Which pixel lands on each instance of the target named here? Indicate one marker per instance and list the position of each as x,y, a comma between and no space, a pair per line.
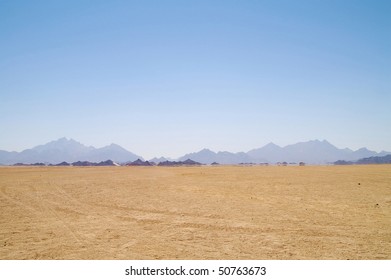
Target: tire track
228,228
16,201
80,205
162,212
44,204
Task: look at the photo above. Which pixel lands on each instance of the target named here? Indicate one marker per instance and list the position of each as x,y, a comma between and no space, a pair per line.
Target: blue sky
171,77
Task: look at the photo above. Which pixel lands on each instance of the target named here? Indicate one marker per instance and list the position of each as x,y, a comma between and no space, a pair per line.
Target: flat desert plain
222,212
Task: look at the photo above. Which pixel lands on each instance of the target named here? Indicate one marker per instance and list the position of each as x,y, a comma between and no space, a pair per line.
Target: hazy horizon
168,78
188,152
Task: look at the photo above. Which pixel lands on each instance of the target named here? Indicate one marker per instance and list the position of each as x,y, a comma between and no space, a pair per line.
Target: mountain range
69,150
312,152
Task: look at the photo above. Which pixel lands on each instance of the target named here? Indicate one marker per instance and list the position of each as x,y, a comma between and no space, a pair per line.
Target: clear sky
172,77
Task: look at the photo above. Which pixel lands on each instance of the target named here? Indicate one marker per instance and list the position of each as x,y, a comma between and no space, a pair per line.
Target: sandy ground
311,212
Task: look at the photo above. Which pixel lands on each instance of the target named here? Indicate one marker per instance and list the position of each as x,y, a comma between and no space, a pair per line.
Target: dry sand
223,212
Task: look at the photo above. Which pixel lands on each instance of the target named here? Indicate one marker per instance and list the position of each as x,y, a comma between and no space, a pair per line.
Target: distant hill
268,153
139,162
77,163
186,162
375,160
67,150
369,160
160,159
207,156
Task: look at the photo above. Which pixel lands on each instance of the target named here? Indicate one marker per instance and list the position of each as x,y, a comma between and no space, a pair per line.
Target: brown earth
223,212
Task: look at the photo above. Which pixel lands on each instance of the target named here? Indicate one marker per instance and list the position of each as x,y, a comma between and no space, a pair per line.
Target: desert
201,212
